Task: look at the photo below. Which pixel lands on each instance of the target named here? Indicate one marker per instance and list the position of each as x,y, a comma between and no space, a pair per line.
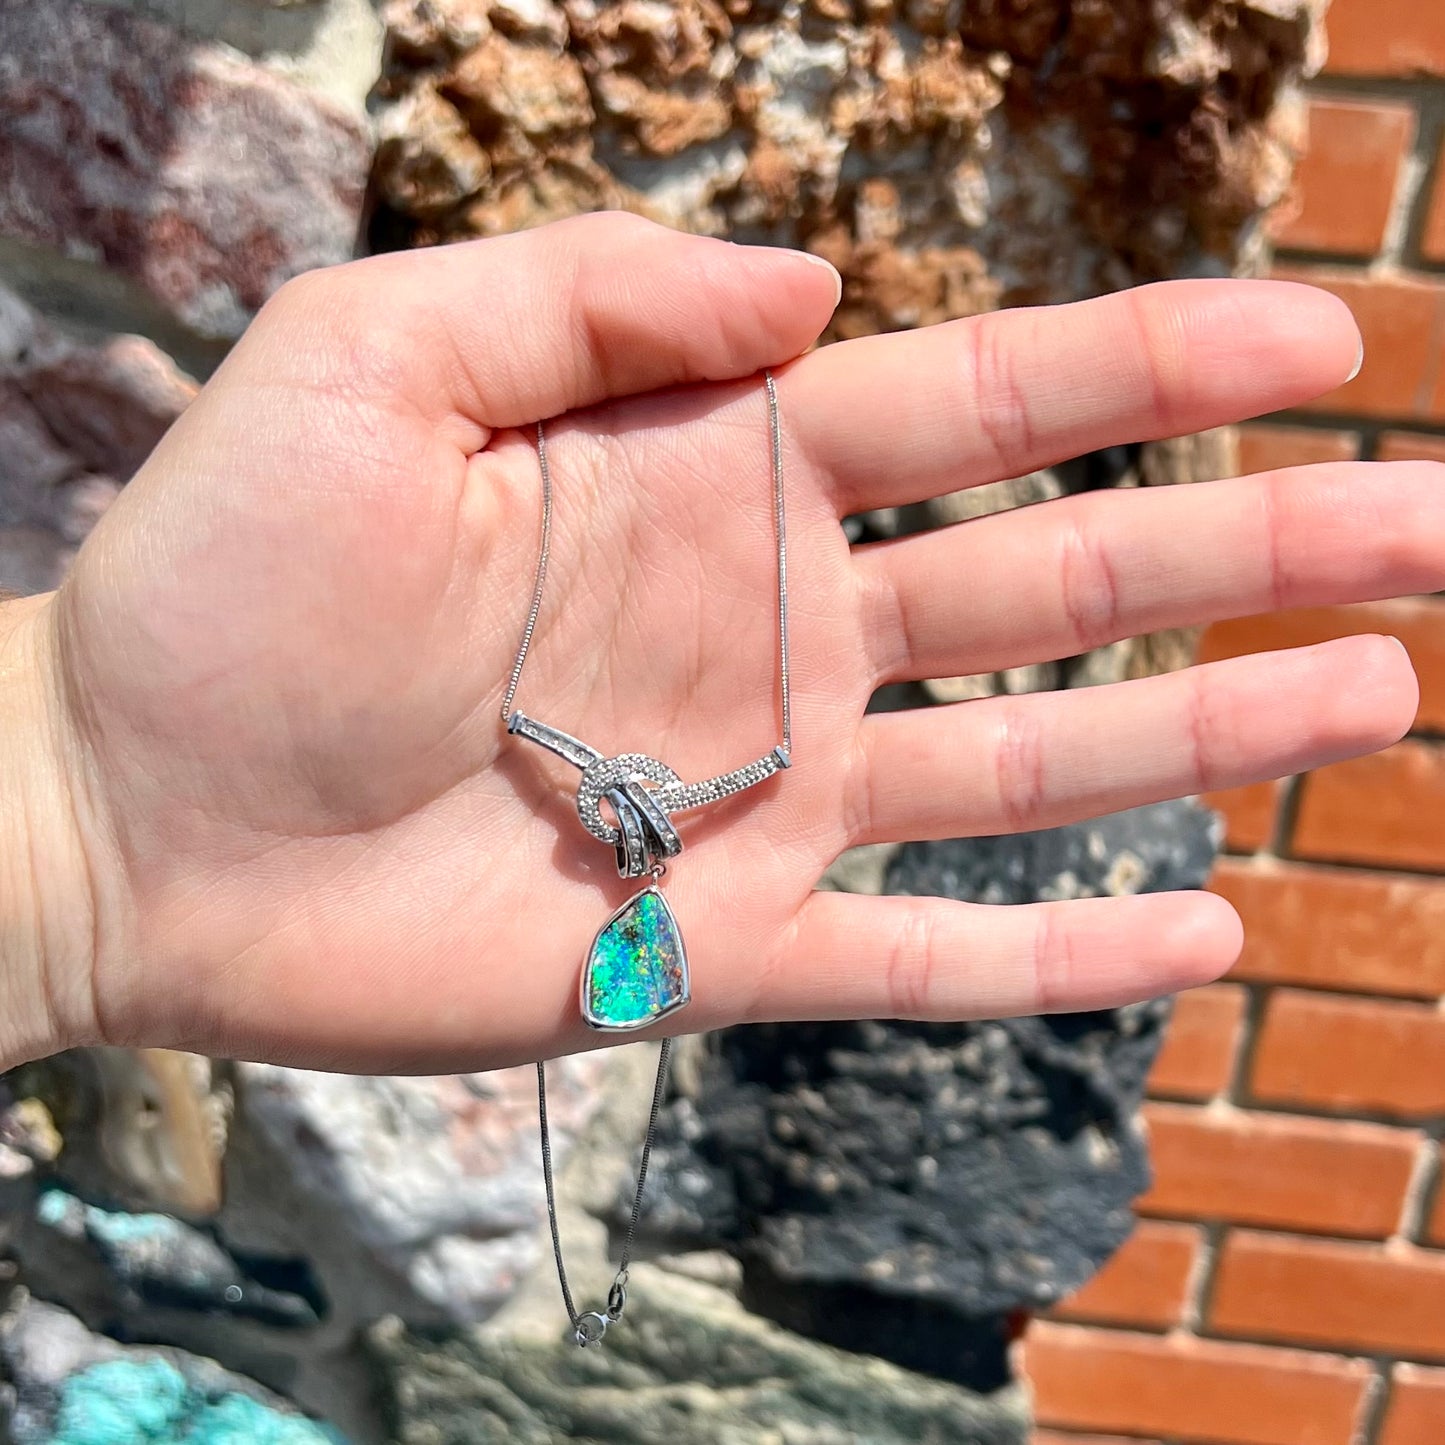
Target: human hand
269,808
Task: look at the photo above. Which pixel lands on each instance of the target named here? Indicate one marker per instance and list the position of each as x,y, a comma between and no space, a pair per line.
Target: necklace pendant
636,970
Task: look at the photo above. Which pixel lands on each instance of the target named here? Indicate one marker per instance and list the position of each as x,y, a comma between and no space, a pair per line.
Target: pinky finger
856,956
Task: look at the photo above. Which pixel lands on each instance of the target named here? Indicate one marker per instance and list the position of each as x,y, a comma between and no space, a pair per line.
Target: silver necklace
636,969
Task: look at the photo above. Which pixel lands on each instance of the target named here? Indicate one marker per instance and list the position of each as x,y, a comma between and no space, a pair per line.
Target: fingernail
1359,362
793,253
831,269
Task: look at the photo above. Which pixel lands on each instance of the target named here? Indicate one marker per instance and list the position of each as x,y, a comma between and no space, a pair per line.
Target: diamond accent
671,793
600,776
677,796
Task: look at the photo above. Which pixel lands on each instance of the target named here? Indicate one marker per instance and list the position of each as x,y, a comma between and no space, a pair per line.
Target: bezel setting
593,1020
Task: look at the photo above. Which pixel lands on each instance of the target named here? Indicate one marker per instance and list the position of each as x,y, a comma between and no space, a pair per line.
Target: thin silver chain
543,552
780,524
617,1295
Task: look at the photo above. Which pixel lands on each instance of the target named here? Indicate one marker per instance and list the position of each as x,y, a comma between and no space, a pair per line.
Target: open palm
282,654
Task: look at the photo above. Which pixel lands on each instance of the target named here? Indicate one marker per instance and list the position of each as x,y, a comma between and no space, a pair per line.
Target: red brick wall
1286,1283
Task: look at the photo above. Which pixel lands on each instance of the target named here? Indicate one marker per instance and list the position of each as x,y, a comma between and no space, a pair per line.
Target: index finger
899,418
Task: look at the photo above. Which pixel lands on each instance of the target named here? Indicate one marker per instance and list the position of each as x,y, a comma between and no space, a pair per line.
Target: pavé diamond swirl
598,777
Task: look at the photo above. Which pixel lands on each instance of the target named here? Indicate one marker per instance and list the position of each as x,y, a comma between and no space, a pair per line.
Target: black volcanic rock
903,1188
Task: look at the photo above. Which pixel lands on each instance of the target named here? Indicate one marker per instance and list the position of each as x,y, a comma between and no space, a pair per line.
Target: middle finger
1063,577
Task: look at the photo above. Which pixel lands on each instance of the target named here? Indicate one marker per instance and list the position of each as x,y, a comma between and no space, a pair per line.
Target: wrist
47,909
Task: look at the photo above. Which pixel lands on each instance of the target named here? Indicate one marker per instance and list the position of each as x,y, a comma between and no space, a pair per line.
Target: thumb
521,327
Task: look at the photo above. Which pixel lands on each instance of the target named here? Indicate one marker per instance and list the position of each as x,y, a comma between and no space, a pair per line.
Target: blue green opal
636,970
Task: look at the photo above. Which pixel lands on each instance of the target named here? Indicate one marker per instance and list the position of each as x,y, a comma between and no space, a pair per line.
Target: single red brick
1145,1283
1249,814
1270,446
1406,446
1399,318
1386,37
1313,1175
1345,182
1337,928
1385,809
1201,1042
1415,1413
1362,1055
1419,623
1179,1386
1365,1297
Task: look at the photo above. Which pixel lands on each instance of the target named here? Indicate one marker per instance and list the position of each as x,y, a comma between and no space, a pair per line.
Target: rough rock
202,175
347,1198
688,1363
948,158
902,1187
143,1129
419,1196
329,46
78,415
122,1272
70,1387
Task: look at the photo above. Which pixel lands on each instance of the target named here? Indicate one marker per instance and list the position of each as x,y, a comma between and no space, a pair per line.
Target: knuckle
1161,326
1090,589
886,602
859,800
1053,959
1212,728
1273,530
615,227
307,291
909,978
1019,767
1001,411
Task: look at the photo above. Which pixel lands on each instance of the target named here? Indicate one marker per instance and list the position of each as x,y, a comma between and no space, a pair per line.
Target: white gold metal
662,838
632,851
608,773
573,750
601,774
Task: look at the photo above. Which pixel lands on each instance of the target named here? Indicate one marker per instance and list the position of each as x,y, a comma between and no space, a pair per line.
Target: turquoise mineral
150,1402
636,970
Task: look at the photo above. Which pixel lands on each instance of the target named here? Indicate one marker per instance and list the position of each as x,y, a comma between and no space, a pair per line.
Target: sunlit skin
258,800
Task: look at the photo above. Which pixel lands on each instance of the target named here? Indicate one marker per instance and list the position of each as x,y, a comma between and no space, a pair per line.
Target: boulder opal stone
636,969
